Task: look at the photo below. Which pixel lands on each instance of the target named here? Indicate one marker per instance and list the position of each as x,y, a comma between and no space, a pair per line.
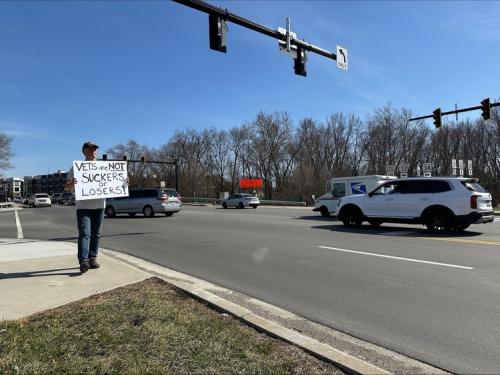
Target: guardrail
217,201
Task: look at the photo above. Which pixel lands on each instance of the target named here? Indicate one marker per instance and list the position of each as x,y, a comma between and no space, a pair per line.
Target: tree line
296,160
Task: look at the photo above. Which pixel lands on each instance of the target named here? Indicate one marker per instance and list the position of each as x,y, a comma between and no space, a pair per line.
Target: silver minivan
147,201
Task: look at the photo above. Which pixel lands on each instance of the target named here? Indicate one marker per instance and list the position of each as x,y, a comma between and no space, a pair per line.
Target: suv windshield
41,195
473,185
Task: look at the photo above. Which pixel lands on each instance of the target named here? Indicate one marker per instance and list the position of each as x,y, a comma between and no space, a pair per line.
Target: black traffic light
217,31
486,108
124,157
436,115
299,63
104,157
143,159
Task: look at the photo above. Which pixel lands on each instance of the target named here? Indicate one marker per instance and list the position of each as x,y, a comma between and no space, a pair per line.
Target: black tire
169,213
131,214
148,211
375,223
324,211
352,217
241,205
224,205
110,211
439,221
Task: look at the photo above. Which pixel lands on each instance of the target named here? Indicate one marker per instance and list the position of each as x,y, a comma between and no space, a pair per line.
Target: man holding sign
93,181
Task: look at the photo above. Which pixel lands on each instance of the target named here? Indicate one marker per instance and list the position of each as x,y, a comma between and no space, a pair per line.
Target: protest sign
100,179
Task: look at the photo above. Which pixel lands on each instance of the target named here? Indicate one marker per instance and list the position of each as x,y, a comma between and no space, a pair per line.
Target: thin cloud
18,130
476,22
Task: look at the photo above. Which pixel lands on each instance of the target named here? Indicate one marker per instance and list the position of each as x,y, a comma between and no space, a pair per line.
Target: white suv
443,204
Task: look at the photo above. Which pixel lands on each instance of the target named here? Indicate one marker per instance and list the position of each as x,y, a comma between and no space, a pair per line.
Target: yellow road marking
480,242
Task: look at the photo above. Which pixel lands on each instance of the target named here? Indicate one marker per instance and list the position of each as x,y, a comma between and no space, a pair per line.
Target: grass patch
147,327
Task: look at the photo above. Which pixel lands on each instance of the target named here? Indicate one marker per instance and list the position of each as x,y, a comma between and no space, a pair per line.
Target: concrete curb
195,288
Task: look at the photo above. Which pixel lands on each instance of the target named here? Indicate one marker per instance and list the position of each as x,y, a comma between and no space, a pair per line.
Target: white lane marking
19,227
399,258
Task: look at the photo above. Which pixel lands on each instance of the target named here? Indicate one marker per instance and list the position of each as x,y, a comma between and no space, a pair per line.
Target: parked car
443,204
67,198
241,200
147,201
56,197
39,199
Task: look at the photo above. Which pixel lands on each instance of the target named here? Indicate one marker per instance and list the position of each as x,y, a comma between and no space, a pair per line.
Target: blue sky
118,70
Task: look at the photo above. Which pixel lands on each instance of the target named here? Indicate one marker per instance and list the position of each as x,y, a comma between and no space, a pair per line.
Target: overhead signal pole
297,48
437,114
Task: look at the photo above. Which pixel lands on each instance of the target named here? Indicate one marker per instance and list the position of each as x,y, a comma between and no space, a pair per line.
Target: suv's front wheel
439,221
352,217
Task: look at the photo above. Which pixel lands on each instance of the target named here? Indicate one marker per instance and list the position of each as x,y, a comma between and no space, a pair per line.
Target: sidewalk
39,275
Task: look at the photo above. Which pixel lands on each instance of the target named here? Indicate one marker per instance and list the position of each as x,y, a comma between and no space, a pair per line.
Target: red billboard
251,183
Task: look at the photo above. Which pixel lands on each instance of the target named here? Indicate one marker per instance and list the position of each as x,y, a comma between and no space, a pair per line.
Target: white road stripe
18,224
399,258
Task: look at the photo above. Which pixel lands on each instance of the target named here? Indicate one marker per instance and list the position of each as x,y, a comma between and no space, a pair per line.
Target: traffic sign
403,167
404,175
342,58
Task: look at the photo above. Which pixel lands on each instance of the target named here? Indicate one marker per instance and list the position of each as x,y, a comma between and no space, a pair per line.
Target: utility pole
297,48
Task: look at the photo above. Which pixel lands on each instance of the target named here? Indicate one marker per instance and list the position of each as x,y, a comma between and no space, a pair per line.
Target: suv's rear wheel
148,211
241,205
224,205
439,221
352,217
110,211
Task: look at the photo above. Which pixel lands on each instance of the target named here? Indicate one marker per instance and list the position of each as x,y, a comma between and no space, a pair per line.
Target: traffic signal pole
143,161
485,107
225,15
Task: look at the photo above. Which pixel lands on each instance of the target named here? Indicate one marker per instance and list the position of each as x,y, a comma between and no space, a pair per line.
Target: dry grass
147,327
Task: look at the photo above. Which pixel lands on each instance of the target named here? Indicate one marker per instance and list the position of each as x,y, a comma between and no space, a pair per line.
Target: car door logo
358,188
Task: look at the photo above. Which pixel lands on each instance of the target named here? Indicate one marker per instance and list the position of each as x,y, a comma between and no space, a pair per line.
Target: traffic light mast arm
234,18
456,111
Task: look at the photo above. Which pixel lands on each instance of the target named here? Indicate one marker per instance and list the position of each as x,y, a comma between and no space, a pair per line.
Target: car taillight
473,201
163,197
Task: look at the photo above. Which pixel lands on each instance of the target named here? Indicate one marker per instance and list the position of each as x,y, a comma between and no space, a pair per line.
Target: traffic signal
299,63
486,108
217,31
124,157
436,115
143,159
104,157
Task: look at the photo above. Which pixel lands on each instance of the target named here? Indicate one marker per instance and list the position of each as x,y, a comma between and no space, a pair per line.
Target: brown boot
84,265
93,263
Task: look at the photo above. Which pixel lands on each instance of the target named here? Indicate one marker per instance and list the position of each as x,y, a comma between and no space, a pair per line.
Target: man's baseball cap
89,144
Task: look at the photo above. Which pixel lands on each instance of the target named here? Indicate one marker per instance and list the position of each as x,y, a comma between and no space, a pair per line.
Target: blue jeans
89,232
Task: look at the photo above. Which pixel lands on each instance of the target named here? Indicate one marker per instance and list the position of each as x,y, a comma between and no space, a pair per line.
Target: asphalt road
433,298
